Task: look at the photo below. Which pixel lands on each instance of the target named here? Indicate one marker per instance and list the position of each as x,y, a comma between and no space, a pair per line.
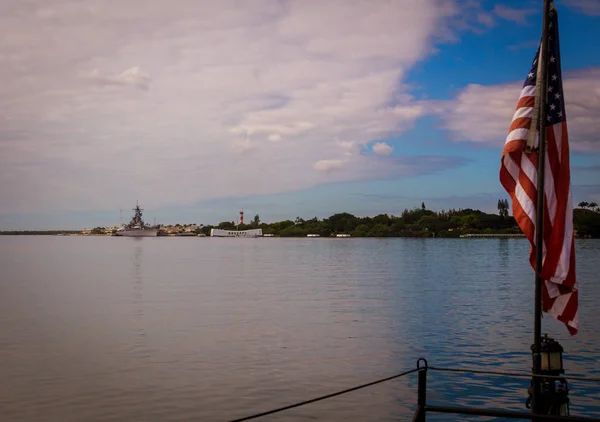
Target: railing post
420,416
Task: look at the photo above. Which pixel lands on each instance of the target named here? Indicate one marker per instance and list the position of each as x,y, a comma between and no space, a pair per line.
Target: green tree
340,223
255,221
503,208
382,219
398,227
587,223
362,230
380,230
226,225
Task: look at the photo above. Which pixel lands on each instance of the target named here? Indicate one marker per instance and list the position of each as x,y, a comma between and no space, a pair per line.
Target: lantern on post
554,391
551,356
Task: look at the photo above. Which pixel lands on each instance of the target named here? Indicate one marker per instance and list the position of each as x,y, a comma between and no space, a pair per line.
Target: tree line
418,222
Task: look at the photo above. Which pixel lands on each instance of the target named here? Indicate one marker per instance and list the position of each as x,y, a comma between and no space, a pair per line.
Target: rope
328,396
515,374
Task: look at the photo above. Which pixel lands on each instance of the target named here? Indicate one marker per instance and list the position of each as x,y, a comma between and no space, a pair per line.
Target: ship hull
138,233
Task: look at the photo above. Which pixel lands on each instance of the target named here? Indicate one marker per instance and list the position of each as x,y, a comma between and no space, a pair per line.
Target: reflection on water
120,329
139,348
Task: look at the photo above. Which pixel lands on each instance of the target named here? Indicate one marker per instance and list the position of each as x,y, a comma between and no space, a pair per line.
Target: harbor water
207,329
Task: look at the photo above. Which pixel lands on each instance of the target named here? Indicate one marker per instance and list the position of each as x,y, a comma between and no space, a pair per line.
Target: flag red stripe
528,186
520,123
554,231
528,101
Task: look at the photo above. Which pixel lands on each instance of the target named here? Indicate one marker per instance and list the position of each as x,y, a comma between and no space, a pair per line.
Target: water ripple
108,329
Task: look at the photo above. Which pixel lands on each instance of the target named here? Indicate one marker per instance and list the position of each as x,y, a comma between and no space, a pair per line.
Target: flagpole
539,224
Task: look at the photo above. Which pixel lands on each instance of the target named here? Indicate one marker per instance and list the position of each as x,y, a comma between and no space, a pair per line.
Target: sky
282,108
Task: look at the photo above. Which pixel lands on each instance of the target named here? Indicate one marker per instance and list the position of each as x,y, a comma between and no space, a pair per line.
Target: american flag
518,175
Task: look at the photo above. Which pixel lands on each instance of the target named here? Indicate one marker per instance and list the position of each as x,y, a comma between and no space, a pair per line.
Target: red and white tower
241,218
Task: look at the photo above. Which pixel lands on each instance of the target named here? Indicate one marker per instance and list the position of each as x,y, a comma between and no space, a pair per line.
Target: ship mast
137,219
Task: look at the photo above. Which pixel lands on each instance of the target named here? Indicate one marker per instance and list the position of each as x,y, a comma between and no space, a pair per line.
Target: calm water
178,329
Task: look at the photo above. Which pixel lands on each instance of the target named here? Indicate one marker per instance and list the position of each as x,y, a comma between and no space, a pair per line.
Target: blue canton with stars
555,112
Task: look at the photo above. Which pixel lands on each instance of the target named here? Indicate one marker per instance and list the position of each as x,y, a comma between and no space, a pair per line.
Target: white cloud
349,147
274,137
381,148
471,17
527,45
486,19
514,15
241,146
328,165
588,7
482,114
105,102
133,76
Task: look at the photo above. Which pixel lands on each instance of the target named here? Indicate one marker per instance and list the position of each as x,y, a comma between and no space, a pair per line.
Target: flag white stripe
523,112
559,305
529,169
526,203
552,288
511,167
517,134
527,91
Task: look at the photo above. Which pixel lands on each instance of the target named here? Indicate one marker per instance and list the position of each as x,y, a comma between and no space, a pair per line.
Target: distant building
192,227
235,233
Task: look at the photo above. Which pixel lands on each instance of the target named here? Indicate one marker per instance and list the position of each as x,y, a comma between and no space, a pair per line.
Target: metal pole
420,415
539,225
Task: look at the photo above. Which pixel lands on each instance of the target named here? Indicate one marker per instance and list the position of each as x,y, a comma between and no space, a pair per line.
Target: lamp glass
545,366
555,361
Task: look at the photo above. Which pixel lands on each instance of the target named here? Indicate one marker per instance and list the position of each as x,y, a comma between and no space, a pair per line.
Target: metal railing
423,407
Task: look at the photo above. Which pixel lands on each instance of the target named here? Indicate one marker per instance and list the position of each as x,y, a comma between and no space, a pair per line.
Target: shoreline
418,222
414,236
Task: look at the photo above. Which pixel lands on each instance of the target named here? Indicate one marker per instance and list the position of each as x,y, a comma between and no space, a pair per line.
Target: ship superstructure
136,227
